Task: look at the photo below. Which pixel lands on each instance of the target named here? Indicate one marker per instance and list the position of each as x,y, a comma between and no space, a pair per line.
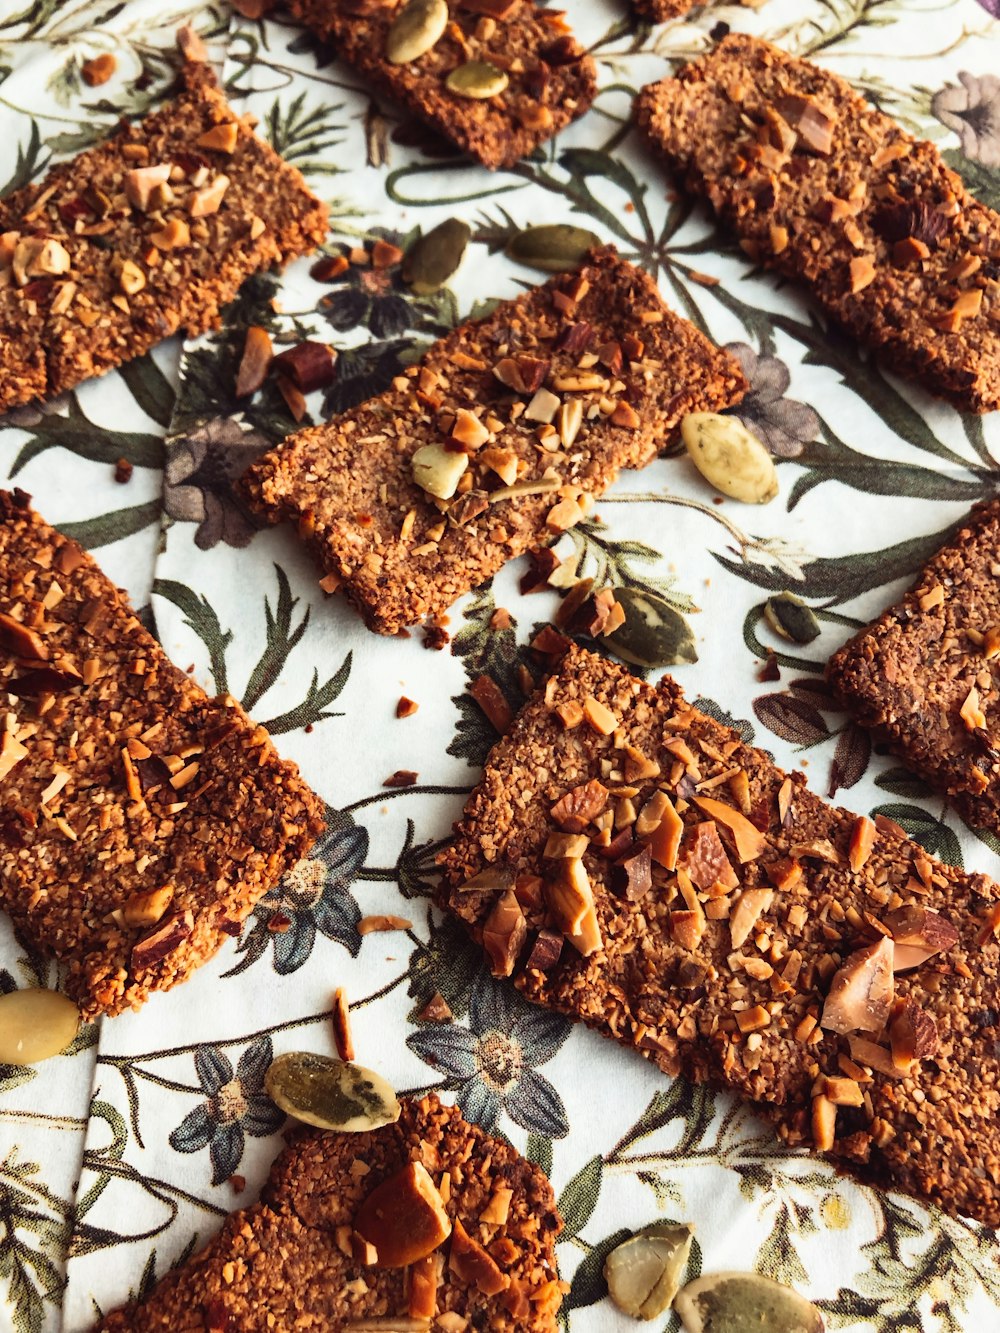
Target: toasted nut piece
469,430
913,1035
843,1092
145,909
142,182
404,1217
497,1211
971,713
632,876
170,936
862,273
501,461
131,279
750,906
472,1265
870,1053
545,952
342,1025
257,352
688,927
749,841
861,992
824,1123
369,924
437,470
191,46
173,236
99,70
490,698
918,934
222,137
706,860
542,407
504,934
659,824
425,1278
600,719
51,260
11,753
569,895
863,836
206,201
574,811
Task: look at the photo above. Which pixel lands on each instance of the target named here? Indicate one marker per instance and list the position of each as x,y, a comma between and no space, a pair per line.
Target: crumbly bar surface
551,79
617,370
662,10
818,184
103,259
278,1265
140,821
926,675
721,986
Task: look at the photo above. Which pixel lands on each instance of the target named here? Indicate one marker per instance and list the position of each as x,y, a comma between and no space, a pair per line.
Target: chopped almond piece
918,934
862,841
497,1211
862,273
404,1218
11,753
141,182
660,825
424,1279
570,713
824,1123
750,906
913,1035
257,353
371,924
843,1092
501,461
146,909
637,765
565,846
750,842
861,992
753,1020
504,934
574,811
342,1025
599,718
570,899
490,698
971,713
221,138
687,928
208,199
870,1053
174,235
472,1265
469,430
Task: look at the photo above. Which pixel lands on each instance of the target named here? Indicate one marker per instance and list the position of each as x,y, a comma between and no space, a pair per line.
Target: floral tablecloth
119,1158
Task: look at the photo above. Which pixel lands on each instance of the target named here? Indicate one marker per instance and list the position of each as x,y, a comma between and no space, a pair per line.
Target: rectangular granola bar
926,676
152,231
140,821
821,186
631,862
295,1261
541,77
494,442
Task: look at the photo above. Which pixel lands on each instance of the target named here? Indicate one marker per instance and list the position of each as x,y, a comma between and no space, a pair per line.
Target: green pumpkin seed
745,1303
331,1094
654,634
34,1025
789,616
554,248
433,260
644,1272
477,79
416,29
729,457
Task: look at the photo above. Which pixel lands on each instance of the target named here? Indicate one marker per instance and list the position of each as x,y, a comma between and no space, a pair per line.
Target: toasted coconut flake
750,842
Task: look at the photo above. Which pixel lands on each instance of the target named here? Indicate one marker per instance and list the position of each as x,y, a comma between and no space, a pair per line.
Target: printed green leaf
150,388
200,616
588,1285
579,1198
539,1151
313,707
281,639
980,180
933,834
114,527
901,782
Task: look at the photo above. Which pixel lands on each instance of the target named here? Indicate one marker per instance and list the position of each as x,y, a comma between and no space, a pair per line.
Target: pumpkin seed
643,1273
433,260
790,617
415,30
553,248
654,634
729,457
437,470
477,79
331,1094
745,1303
34,1025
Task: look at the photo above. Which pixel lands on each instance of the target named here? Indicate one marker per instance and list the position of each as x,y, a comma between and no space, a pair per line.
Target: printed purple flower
490,1064
784,425
237,1105
972,110
198,481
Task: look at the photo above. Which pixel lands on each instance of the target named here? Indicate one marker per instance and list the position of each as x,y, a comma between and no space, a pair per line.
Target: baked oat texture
908,675
551,79
821,186
140,820
98,265
278,1265
600,344
725,988
662,10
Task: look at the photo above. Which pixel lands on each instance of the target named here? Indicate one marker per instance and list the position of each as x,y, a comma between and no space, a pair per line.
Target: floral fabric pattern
122,1156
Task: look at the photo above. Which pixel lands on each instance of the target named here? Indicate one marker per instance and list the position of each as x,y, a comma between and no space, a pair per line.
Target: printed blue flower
491,1063
237,1105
